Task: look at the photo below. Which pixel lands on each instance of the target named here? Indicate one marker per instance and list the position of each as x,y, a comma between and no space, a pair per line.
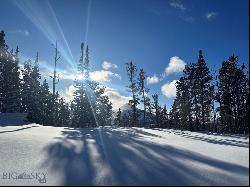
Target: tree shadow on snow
210,137
106,156
213,140
15,130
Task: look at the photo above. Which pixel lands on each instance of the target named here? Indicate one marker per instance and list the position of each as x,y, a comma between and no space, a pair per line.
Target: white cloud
108,65
169,89
69,93
152,80
211,16
175,65
66,75
100,76
103,75
177,4
116,98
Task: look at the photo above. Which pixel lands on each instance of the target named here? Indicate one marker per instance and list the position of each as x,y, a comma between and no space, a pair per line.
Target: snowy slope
122,156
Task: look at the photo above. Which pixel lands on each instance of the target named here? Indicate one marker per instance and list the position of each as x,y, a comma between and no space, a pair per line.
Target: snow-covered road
120,156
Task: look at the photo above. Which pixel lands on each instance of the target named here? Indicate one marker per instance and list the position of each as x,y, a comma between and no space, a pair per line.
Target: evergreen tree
175,114
157,109
125,120
80,111
182,87
9,78
118,118
184,103
131,71
233,96
26,86
3,59
103,107
63,113
202,89
214,92
56,109
164,117
34,111
90,107
143,92
16,82
47,117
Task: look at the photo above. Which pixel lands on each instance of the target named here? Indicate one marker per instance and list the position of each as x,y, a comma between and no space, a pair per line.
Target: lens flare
40,14
61,32
88,21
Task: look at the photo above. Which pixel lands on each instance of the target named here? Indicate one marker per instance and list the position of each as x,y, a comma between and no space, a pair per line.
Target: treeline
21,90
204,102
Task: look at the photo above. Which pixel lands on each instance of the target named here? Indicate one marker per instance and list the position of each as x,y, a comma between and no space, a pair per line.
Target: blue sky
158,35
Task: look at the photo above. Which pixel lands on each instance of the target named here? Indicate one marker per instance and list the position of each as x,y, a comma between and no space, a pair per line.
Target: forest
205,101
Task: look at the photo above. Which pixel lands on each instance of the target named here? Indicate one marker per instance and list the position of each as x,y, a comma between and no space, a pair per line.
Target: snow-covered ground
120,156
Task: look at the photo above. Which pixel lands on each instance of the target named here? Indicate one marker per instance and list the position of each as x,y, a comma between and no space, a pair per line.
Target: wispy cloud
184,13
211,15
177,4
20,32
108,65
153,80
175,65
169,89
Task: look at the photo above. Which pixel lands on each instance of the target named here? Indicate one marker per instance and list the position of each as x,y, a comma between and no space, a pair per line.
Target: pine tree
143,92
26,86
182,87
202,89
79,109
131,71
118,118
56,109
164,117
103,107
63,113
34,102
90,107
47,117
125,120
213,92
157,109
175,114
233,96
9,78
16,82
184,103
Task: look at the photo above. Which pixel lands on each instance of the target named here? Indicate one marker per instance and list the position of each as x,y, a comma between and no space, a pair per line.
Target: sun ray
88,21
40,15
